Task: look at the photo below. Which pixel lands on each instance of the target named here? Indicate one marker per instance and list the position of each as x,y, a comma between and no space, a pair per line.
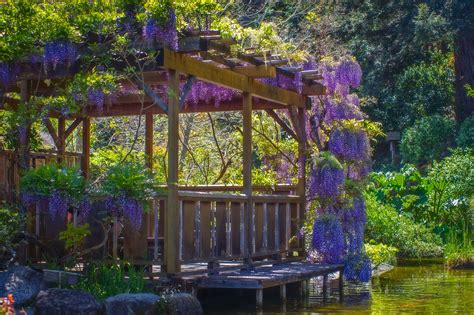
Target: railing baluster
265,227
197,234
277,226
156,205
181,238
228,229
242,229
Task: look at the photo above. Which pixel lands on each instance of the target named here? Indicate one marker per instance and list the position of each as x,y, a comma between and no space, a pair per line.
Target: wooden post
247,174
302,170
86,146
259,298
61,139
325,286
341,284
283,293
172,264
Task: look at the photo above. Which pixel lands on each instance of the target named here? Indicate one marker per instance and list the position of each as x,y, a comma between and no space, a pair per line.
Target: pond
412,287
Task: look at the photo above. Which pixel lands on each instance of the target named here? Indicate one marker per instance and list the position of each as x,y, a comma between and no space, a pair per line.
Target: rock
67,302
132,304
381,269
23,282
183,304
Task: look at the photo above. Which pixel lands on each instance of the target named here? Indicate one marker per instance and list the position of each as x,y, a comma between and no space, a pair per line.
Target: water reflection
409,288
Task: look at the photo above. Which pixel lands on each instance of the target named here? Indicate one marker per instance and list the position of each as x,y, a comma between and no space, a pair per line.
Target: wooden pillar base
259,298
341,284
305,287
325,287
283,293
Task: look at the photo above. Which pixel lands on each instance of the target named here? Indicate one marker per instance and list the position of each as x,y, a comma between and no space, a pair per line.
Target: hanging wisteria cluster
208,92
7,74
123,206
58,190
59,52
338,230
162,32
58,203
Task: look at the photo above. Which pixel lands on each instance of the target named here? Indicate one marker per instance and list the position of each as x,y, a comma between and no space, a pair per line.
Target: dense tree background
417,56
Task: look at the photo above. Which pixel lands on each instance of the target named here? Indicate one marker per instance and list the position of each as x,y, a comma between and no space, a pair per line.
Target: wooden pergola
254,221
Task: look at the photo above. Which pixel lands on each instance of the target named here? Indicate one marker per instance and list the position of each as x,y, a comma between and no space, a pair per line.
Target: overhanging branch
282,123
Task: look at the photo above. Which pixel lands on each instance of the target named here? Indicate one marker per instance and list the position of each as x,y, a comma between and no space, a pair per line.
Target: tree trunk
464,67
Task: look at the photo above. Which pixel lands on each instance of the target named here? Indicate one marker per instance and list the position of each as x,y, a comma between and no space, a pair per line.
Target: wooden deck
268,276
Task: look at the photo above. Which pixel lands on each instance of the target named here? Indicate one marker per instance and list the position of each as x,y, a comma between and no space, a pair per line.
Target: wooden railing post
172,264
86,146
61,139
302,172
247,174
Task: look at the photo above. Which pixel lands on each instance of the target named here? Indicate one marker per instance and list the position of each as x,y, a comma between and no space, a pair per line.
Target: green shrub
405,191
466,133
385,225
103,281
381,253
451,192
428,139
44,180
11,223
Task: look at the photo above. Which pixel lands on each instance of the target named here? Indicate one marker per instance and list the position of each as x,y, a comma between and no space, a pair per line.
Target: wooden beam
129,109
172,264
314,89
49,126
186,89
72,127
61,139
228,78
86,146
256,71
247,174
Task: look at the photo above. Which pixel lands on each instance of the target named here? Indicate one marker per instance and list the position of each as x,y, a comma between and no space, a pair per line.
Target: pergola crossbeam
230,79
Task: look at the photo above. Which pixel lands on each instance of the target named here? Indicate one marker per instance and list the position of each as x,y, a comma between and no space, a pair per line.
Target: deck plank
267,276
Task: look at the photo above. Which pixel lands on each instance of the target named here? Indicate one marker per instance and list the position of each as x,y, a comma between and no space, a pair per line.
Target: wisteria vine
344,156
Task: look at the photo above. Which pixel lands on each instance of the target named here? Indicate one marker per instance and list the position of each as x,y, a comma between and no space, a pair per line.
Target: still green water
410,288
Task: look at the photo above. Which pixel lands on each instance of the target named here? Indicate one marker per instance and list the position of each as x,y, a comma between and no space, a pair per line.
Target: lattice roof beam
230,79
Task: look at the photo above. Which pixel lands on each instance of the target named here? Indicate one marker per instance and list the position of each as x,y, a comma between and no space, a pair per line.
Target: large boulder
132,304
23,282
183,304
67,302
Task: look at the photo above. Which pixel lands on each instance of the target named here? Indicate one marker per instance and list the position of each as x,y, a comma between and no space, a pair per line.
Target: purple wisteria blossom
328,239
7,74
126,207
165,33
327,181
85,207
58,52
350,145
96,97
341,109
58,205
357,267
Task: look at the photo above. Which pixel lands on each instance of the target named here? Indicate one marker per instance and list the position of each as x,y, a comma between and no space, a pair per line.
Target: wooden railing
212,227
